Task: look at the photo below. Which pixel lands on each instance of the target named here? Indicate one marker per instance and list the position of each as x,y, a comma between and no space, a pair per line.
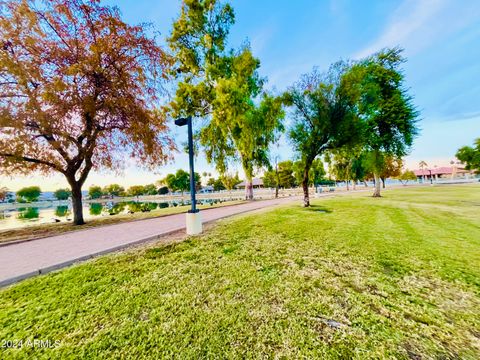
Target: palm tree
422,166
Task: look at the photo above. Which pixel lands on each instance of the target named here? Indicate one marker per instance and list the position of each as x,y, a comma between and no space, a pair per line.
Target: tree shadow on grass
318,209
158,252
168,248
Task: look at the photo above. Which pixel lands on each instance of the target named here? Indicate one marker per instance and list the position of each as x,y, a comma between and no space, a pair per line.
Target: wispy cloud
409,24
262,38
418,24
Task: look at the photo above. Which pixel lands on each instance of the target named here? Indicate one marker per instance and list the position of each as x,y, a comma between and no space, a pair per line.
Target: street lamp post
194,220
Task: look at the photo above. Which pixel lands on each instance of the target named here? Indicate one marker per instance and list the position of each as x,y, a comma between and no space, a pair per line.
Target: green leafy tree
359,171
170,180
406,176
163,190
239,128
211,181
216,183
341,166
114,190
348,164
198,40
385,107
223,86
29,194
269,179
391,168
198,181
95,192
136,190
316,174
150,189
180,181
323,117
285,170
62,194
470,156
229,181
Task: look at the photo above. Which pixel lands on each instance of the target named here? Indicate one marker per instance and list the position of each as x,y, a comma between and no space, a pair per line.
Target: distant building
257,184
443,172
206,189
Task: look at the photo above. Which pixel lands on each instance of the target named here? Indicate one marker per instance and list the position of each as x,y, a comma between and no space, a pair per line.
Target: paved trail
26,259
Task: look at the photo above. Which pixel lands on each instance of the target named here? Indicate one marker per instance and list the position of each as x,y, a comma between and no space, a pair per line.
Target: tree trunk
383,182
365,183
376,192
348,187
306,198
248,189
77,204
354,185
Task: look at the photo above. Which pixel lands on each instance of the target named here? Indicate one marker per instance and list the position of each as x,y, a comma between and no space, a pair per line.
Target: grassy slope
400,276
43,230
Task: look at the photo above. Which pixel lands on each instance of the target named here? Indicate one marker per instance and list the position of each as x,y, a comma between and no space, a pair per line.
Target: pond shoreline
224,196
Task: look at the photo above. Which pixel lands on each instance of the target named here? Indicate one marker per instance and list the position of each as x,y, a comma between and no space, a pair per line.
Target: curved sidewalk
26,259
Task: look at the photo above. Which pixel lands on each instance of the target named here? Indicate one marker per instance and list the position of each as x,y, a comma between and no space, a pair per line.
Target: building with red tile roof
442,172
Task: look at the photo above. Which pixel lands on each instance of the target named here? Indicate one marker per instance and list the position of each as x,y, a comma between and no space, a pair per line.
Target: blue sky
441,39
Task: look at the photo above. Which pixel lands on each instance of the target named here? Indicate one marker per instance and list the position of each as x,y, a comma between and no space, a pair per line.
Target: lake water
28,216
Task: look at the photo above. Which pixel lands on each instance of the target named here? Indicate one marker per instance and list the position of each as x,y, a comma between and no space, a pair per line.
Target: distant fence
226,195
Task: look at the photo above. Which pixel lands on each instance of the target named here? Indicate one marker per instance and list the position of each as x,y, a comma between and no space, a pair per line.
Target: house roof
444,170
255,181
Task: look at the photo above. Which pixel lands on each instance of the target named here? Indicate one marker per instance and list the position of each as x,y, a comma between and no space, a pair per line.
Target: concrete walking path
22,260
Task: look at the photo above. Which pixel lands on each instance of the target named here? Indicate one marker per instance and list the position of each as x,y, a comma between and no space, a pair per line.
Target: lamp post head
181,121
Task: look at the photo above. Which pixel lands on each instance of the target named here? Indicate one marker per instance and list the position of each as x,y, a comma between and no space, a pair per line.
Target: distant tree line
289,174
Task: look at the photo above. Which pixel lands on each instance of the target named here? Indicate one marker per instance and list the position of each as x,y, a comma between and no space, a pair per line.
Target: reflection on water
134,207
62,211
27,216
28,213
95,209
117,208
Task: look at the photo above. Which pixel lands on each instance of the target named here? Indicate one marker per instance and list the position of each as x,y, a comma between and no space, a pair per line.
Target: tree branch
34,161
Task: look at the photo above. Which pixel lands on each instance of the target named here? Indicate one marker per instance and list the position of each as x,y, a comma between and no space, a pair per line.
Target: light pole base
194,223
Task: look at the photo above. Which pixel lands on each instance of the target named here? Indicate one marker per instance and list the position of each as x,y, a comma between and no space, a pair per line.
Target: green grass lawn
351,277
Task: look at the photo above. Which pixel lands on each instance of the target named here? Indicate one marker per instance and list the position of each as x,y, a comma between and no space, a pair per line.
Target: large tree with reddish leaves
78,91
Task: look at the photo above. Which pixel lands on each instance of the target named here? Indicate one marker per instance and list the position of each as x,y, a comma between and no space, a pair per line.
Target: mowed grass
351,277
